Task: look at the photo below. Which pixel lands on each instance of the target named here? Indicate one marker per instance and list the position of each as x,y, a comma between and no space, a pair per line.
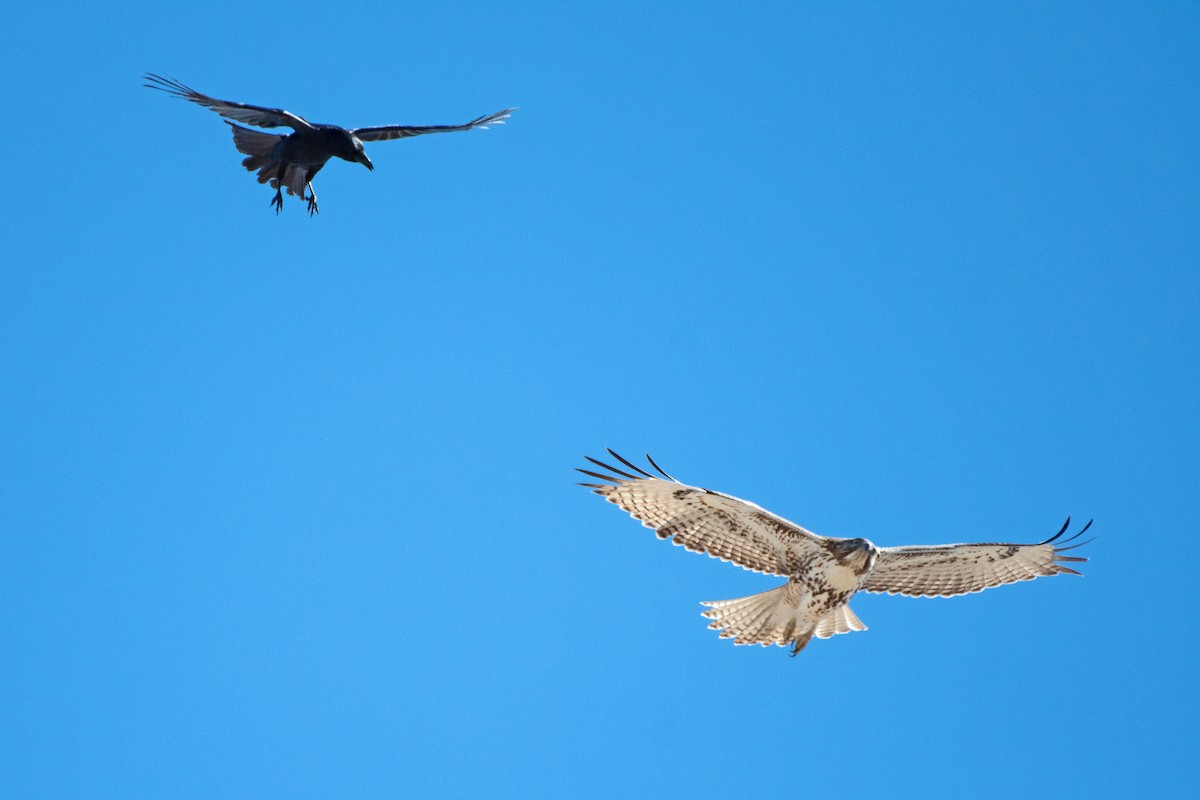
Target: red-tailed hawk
290,162
823,572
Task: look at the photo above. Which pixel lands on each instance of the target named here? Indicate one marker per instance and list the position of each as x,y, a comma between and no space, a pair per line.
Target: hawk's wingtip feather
654,464
591,474
611,469
627,463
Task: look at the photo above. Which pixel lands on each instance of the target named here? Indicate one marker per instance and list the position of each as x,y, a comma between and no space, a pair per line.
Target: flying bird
822,572
291,161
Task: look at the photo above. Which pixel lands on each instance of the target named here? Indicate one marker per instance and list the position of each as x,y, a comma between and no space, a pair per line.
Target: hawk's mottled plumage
823,572
290,162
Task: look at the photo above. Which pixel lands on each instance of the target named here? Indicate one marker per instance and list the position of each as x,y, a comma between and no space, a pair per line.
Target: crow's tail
260,147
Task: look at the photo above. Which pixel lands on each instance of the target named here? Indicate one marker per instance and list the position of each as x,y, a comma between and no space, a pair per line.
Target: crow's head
360,155
349,147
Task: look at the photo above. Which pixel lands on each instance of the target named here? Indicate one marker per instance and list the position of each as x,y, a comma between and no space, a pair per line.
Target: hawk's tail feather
775,617
766,618
838,620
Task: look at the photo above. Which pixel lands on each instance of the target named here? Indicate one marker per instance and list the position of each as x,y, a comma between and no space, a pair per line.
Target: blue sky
289,506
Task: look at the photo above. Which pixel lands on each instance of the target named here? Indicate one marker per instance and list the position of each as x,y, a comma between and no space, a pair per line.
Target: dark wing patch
383,133
259,116
702,520
953,569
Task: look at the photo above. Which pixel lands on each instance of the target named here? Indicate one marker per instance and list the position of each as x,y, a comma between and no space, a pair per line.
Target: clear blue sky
288,504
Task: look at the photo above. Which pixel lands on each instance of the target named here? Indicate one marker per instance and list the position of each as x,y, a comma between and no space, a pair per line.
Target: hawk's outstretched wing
705,521
258,116
950,569
382,133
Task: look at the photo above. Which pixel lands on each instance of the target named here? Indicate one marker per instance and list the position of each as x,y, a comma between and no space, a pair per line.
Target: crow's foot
277,201
312,205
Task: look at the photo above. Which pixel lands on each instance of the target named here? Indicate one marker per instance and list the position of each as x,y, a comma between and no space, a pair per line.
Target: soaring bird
290,162
822,572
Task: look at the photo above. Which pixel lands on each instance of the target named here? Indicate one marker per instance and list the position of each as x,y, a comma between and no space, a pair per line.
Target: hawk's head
859,554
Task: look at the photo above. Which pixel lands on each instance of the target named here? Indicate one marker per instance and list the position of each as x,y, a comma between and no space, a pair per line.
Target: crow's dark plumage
290,162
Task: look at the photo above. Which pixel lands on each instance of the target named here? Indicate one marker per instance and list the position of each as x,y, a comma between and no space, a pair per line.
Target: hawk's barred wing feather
382,133
953,569
702,520
259,116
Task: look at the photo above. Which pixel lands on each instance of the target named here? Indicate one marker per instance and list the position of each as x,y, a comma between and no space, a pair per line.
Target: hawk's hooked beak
366,162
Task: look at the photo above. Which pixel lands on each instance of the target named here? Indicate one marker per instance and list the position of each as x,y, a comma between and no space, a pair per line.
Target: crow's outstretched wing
950,569
705,521
258,116
382,133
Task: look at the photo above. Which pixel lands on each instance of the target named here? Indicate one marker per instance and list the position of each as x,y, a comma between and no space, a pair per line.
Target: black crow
290,162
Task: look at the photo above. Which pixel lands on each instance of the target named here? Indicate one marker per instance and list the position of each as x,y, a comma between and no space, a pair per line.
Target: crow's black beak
366,162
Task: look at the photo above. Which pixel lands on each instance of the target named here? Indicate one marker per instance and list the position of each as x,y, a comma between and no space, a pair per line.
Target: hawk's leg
312,201
277,200
799,643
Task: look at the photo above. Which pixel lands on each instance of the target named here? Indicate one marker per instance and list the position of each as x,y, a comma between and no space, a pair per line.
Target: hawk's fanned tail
778,616
766,618
838,620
